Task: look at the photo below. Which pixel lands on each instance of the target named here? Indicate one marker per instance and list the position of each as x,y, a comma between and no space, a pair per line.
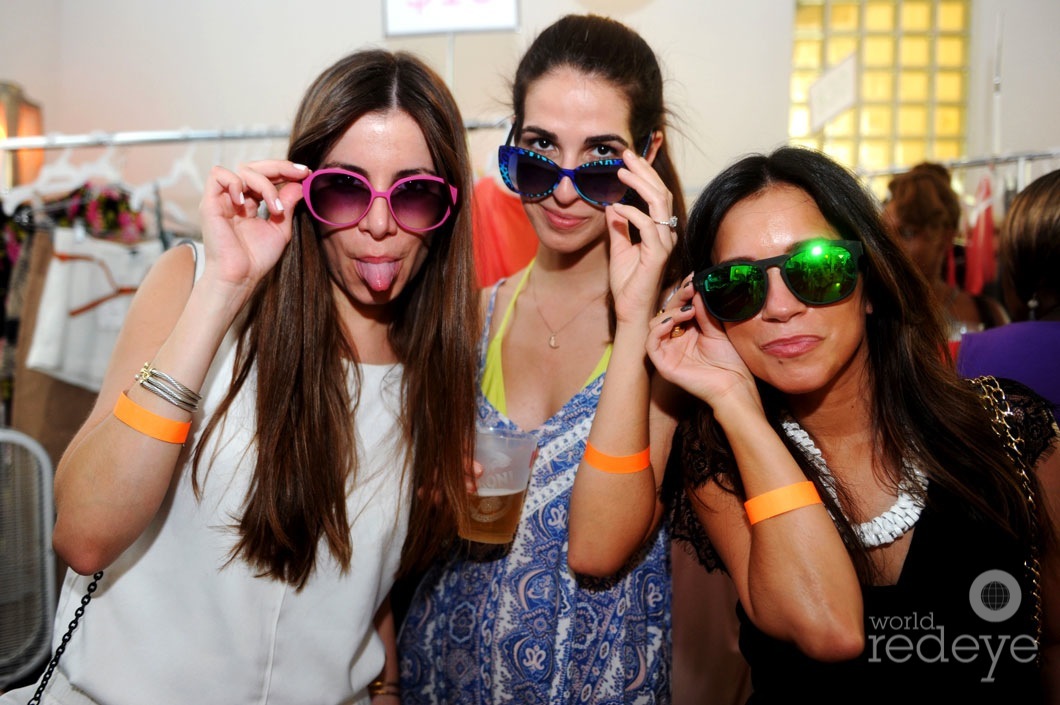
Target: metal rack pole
106,139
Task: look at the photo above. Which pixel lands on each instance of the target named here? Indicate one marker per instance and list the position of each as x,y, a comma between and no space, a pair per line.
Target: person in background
562,355
925,211
1027,350
248,533
850,483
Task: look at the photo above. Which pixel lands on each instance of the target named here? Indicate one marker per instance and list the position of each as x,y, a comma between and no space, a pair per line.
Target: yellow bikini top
493,373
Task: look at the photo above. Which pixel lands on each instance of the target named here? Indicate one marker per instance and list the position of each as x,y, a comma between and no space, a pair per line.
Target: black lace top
927,639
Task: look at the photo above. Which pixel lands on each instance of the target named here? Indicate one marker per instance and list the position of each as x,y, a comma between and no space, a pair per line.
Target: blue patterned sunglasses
533,176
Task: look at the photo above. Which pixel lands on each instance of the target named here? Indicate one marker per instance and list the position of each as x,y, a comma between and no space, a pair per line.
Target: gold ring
677,332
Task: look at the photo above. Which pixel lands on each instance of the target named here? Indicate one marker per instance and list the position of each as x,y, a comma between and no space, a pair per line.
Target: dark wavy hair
293,338
921,410
605,48
1029,250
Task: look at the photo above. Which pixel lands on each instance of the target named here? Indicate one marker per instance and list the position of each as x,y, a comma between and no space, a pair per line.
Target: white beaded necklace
887,527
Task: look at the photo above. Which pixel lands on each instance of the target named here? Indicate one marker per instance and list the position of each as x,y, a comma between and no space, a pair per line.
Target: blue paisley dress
512,624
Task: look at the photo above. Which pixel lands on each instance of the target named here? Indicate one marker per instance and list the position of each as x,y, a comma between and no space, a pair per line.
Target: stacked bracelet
149,423
171,390
617,464
783,499
381,687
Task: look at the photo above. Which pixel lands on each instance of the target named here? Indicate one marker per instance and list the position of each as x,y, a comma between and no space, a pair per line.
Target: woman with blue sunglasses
245,500
865,501
562,355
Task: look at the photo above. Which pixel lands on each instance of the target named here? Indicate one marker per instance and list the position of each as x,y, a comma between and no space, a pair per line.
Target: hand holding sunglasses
692,350
342,198
818,273
243,244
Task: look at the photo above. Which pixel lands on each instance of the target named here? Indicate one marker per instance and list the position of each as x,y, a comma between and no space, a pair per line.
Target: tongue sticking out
378,275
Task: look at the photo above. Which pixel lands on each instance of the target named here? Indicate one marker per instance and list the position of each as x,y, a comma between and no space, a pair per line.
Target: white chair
27,562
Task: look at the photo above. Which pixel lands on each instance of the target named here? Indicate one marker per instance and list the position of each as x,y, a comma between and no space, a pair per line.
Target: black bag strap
78,614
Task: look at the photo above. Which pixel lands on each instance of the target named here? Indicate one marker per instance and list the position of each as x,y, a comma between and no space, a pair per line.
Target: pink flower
129,234
93,216
14,247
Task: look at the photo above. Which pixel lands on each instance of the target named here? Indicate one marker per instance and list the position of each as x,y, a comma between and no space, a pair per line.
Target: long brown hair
292,339
921,410
923,198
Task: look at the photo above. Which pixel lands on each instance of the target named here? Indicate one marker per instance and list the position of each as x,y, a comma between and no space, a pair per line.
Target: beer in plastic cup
493,511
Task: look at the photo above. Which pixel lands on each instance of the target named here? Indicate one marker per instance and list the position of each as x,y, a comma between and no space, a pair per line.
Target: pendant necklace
893,523
552,342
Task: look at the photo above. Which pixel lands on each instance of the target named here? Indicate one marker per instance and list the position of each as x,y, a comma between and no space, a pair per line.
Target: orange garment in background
504,240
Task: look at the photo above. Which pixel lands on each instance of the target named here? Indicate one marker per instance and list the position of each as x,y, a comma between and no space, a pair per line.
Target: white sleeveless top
174,622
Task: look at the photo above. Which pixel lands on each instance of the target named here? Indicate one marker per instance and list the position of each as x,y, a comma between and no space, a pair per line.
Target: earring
1032,308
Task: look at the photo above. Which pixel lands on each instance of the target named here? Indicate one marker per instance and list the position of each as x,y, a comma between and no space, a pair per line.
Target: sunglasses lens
531,176
734,292
822,274
599,182
340,199
420,204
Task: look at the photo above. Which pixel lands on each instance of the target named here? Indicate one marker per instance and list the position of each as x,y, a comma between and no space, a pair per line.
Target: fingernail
301,167
665,320
686,307
242,198
279,206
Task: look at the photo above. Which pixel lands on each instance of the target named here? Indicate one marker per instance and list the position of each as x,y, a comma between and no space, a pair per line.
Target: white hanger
103,169
60,176
183,167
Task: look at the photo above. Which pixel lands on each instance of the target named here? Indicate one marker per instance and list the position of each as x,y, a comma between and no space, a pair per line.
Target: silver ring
671,223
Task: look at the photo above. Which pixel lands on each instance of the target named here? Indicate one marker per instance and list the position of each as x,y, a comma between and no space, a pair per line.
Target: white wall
114,65
1030,71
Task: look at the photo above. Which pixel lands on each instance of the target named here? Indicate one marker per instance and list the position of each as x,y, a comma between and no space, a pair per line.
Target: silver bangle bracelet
164,386
153,387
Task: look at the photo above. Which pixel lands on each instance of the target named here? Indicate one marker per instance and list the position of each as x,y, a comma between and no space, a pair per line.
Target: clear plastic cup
493,511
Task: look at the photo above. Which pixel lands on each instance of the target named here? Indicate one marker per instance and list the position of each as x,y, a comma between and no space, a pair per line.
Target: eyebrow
358,170
590,141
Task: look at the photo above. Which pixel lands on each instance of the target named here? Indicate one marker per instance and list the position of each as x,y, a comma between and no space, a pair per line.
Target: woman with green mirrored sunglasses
860,495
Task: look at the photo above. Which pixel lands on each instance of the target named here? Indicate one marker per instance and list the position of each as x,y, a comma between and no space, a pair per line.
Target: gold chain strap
995,401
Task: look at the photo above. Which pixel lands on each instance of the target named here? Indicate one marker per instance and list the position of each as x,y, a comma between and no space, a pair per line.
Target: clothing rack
108,139
1021,159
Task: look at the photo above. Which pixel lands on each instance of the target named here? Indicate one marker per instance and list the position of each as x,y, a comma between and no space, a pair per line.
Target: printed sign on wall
444,16
832,93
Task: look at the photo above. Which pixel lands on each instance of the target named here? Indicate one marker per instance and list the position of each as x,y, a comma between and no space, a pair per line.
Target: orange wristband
783,499
148,423
617,464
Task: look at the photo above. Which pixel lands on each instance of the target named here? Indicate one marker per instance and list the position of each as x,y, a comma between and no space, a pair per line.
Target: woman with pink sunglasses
246,497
